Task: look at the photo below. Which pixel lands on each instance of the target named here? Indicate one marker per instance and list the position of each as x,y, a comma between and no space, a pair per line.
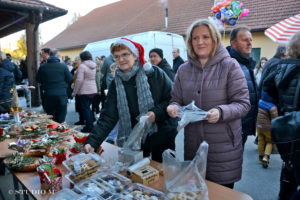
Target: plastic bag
138,134
187,178
188,114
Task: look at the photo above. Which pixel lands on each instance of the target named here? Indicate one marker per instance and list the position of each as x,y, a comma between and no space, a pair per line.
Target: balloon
244,13
229,11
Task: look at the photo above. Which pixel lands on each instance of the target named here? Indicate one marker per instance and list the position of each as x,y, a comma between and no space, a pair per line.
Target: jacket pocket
230,134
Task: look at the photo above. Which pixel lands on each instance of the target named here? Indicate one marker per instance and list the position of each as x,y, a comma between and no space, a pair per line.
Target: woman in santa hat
138,89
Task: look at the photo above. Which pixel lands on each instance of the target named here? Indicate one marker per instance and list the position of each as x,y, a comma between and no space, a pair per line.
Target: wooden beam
32,41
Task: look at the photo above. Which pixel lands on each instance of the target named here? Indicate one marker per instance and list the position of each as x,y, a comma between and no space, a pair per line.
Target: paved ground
259,183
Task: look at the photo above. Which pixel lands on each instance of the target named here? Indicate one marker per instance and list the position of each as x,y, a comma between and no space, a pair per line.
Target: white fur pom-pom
147,66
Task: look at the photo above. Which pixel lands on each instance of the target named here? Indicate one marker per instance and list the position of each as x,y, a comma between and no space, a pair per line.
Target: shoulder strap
296,97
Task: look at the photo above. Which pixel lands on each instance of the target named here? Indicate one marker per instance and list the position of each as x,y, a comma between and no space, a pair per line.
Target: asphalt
258,182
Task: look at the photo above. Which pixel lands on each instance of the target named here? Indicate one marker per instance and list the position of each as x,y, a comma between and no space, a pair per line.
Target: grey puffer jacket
219,84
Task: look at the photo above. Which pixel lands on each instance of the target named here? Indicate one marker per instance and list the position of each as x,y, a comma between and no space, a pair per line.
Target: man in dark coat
6,84
271,65
54,77
177,59
157,58
240,49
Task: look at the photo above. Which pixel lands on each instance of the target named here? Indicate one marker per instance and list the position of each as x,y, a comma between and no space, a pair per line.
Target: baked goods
188,195
83,165
92,188
140,192
116,181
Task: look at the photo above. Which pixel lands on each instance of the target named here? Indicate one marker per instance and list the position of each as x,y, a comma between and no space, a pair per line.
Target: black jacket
268,68
281,84
54,77
6,79
165,66
247,65
176,63
160,87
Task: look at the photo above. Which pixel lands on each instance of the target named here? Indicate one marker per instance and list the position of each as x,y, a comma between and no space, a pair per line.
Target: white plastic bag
187,178
138,134
188,114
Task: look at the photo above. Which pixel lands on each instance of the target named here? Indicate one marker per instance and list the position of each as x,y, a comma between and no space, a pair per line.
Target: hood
90,64
8,65
164,64
52,59
289,67
247,61
221,54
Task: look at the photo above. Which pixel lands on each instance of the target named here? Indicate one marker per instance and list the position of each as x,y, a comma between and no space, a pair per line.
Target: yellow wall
71,53
268,47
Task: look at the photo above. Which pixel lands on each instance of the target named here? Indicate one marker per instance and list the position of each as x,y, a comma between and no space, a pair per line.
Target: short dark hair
46,50
281,51
85,55
234,32
8,56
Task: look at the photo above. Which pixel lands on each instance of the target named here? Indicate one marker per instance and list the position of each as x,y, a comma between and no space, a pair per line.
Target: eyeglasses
124,56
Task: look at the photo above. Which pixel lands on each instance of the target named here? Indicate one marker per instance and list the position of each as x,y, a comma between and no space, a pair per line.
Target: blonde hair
214,32
293,49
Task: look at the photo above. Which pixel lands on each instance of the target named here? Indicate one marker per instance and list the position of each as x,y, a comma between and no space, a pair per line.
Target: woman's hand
173,110
88,148
212,116
151,116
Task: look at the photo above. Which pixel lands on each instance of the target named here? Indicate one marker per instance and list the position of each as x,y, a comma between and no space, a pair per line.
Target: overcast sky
53,27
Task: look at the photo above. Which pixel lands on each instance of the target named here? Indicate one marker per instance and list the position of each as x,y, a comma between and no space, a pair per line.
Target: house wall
71,53
266,45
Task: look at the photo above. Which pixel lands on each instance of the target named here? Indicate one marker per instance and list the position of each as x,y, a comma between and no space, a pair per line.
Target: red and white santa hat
136,48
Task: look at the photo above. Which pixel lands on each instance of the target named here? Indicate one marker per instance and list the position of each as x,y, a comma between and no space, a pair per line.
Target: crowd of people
242,97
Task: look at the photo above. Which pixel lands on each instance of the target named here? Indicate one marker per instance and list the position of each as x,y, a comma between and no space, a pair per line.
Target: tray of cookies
114,180
83,164
140,192
91,187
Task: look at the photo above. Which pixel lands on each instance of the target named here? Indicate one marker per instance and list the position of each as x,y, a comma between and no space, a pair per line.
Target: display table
31,181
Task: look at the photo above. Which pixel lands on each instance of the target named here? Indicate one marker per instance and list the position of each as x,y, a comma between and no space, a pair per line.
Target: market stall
34,185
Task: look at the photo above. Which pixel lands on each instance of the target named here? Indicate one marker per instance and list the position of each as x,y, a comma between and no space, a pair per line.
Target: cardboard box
145,175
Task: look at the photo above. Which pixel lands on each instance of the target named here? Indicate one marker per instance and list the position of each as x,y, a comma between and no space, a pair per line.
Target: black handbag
285,130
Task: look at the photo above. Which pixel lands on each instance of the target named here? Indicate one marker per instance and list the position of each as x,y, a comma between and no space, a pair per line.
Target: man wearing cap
157,58
138,90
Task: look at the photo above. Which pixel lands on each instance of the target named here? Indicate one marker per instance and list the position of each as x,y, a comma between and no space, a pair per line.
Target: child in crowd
266,112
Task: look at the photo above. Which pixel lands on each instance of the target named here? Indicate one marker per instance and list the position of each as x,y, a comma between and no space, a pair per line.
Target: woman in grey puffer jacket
217,84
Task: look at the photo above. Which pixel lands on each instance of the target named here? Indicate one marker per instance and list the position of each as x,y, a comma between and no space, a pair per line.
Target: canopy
284,30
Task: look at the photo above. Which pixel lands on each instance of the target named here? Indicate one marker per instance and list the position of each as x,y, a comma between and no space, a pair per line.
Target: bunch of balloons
229,12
